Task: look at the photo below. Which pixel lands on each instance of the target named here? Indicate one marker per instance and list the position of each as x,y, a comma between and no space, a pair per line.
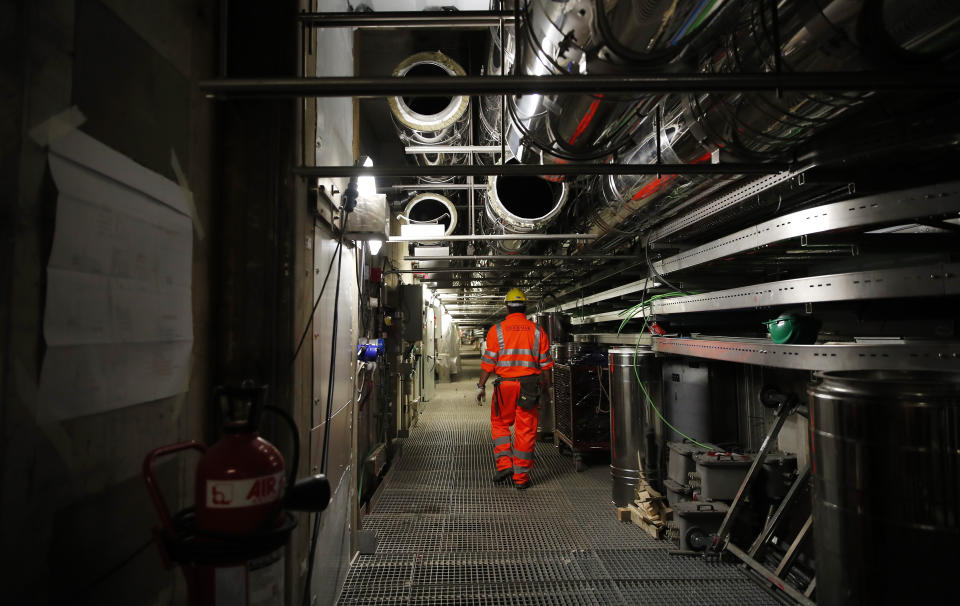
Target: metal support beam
435,187
631,84
519,258
407,19
451,149
492,237
537,170
468,270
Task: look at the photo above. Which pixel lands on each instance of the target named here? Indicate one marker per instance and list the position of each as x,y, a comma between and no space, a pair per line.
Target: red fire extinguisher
240,479
230,545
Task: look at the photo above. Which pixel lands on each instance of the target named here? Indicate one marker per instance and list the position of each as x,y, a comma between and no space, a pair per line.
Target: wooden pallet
649,511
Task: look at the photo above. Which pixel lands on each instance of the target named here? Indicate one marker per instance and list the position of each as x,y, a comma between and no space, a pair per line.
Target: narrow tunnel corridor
447,535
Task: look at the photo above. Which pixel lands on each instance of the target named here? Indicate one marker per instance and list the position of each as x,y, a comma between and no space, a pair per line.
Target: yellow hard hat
515,296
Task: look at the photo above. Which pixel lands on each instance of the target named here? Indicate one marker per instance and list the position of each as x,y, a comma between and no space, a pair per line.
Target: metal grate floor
447,535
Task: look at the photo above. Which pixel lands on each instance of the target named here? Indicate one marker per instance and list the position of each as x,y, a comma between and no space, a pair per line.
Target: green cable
702,16
636,371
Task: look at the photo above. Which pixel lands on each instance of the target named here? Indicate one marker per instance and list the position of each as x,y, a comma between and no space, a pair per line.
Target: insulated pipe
431,120
521,205
579,36
493,116
802,36
432,208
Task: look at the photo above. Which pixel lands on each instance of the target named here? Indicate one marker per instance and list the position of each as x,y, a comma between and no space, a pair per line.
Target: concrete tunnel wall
73,502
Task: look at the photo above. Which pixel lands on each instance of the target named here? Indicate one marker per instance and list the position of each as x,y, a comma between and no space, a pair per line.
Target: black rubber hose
295,432
326,428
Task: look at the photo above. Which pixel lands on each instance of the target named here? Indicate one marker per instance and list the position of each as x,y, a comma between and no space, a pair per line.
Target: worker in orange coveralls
519,352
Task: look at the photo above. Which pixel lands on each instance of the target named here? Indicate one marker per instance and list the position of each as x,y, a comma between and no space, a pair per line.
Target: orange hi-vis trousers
504,412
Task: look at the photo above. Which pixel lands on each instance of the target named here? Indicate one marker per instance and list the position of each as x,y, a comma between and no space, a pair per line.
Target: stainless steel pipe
630,421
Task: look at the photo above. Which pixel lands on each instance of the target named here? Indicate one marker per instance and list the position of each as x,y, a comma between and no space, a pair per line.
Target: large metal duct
761,126
885,455
566,38
431,120
814,36
521,205
432,208
492,115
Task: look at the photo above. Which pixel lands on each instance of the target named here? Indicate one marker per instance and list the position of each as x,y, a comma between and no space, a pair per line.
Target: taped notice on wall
118,320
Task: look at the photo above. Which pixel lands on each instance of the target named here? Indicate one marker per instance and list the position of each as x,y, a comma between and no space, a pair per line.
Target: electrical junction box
370,220
677,492
721,474
411,306
377,459
699,523
680,461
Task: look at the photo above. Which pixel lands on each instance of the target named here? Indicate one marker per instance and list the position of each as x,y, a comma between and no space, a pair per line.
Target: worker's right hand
481,395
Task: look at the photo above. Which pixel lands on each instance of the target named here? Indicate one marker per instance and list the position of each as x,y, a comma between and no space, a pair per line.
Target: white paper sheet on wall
118,318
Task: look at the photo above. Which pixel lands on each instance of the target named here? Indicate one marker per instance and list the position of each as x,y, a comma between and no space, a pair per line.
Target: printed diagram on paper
118,318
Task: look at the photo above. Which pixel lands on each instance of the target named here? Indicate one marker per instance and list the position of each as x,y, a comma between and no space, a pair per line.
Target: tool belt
529,391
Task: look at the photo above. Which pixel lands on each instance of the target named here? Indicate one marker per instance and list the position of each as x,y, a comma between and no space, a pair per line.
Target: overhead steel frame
607,84
517,257
407,19
536,170
454,238
697,82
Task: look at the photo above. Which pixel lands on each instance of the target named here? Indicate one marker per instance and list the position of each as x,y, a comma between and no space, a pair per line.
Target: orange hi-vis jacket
516,347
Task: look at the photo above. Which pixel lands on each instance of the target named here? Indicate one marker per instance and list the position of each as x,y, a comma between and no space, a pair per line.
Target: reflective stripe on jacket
516,347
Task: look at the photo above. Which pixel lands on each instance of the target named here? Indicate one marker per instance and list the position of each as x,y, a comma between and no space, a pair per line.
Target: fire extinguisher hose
295,439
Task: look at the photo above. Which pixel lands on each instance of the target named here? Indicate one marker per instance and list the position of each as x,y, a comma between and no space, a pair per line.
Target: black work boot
502,475
523,485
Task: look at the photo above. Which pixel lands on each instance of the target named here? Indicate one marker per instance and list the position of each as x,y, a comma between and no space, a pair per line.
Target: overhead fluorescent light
422,231
367,186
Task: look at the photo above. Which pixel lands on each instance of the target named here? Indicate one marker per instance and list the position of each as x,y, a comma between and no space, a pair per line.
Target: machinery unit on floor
557,328
583,403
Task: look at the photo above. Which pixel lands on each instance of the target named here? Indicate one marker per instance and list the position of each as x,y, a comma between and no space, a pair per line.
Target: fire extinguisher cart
230,544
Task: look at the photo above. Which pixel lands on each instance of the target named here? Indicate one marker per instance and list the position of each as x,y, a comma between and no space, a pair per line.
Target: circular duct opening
432,208
427,106
528,198
428,114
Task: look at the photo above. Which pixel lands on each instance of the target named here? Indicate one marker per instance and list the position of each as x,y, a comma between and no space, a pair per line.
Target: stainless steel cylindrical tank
556,324
628,417
885,451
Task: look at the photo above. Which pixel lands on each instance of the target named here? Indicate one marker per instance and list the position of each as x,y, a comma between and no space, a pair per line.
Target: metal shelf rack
934,280
903,205
907,355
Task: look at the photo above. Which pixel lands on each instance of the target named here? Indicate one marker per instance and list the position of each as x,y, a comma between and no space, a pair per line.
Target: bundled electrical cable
629,314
